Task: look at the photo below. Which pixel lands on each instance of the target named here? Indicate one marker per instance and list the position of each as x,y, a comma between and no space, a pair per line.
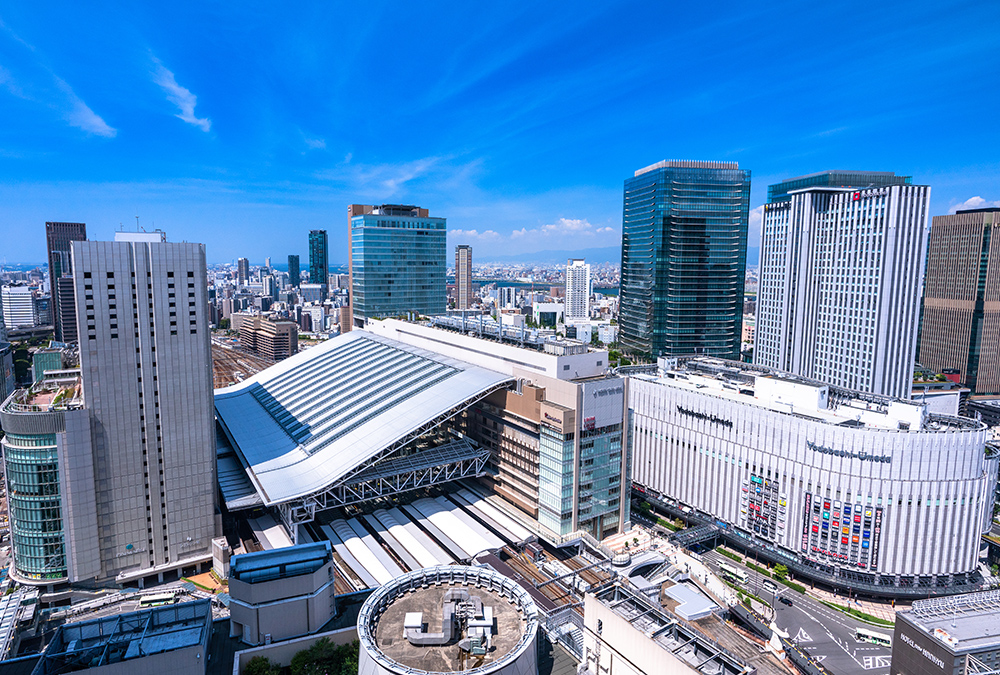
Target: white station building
858,490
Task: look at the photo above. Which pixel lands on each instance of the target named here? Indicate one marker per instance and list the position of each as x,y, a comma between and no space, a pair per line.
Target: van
770,586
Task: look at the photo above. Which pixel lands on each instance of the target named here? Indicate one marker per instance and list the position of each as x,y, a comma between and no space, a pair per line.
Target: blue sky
244,126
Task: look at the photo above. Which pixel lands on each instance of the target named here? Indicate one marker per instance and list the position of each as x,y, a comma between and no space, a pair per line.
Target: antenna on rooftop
137,222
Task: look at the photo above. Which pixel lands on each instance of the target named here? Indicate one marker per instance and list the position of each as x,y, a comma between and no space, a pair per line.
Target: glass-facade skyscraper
319,258
684,240
398,262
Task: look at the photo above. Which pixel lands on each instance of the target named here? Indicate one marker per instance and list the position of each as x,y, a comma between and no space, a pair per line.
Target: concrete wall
281,653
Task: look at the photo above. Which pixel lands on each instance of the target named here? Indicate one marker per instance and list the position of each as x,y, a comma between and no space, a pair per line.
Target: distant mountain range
595,256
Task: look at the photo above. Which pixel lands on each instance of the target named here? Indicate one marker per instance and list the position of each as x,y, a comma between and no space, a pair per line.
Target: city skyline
502,140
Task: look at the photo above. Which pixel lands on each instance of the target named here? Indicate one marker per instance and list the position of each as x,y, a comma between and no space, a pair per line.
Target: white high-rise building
18,306
577,291
841,273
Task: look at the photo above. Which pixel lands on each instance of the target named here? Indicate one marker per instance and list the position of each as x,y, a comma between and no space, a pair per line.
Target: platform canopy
326,414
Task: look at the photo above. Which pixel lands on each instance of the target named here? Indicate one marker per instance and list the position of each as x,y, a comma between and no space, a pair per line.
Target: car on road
770,586
785,601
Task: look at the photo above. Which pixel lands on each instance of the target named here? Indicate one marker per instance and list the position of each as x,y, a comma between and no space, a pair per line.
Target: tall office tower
319,257
398,262
684,239
463,276
131,491
577,291
841,272
960,322
267,264
57,239
294,277
242,271
18,306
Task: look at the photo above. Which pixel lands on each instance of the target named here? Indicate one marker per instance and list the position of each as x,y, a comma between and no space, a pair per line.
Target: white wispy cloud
316,143
976,202
179,96
485,235
563,227
39,84
81,116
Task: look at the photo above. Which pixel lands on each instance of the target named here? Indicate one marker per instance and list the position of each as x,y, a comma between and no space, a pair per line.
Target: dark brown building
57,240
960,325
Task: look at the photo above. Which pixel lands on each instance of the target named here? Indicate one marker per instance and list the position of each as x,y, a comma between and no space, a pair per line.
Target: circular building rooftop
449,619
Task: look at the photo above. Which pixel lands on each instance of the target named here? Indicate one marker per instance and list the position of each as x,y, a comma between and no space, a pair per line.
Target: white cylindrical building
449,619
868,491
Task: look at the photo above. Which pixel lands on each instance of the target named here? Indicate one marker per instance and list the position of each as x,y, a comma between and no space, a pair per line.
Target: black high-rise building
684,240
293,271
57,238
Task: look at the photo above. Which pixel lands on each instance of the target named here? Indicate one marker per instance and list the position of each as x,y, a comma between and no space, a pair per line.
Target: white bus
158,599
865,635
733,573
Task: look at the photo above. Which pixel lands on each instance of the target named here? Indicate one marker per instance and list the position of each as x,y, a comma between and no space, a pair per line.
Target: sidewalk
882,610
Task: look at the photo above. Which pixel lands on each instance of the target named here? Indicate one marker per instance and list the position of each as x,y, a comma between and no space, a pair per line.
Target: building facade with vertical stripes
960,322
872,489
841,276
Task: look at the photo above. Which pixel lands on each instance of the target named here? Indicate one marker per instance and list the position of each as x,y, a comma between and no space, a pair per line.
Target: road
826,634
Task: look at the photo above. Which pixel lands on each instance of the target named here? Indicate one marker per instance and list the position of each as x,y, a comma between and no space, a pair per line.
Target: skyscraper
18,306
294,276
57,239
398,262
131,491
684,237
463,276
242,271
841,271
577,291
960,322
319,257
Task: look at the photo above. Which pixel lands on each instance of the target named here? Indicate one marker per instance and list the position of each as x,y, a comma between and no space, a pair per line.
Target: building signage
876,536
806,522
863,456
702,416
608,392
927,654
553,419
589,423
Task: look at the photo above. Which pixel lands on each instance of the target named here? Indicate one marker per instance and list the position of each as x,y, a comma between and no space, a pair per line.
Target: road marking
802,636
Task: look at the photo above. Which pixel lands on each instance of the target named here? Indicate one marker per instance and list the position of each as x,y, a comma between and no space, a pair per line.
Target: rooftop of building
845,172
991,209
686,164
686,644
115,639
796,395
964,623
406,621
58,390
280,563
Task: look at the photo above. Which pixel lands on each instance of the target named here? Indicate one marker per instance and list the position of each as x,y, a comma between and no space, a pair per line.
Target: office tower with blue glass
684,238
111,462
293,271
319,259
398,260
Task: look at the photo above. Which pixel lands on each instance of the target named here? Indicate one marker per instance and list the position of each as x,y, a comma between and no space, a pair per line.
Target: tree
224,324
261,665
326,658
780,572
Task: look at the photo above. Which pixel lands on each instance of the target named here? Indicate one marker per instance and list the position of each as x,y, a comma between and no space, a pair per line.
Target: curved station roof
320,416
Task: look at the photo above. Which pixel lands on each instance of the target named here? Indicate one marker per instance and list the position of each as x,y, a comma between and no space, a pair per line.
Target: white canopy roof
311,420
